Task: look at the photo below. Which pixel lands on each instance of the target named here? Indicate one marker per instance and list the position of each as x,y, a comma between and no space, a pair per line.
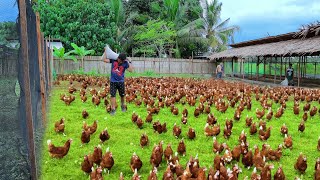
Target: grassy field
125,137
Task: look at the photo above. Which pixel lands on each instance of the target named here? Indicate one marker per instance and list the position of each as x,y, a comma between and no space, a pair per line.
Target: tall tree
86,23
209,28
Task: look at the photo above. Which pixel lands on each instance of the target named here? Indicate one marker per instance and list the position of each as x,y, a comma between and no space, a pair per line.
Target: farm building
268,58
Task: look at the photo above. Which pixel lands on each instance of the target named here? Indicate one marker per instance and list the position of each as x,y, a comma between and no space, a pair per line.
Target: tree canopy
140,27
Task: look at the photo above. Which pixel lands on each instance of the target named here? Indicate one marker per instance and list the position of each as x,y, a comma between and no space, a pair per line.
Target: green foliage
61,55
8,30
81,51
87,23
155,35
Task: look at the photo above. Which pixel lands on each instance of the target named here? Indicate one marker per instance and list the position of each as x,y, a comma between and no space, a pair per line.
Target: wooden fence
156,65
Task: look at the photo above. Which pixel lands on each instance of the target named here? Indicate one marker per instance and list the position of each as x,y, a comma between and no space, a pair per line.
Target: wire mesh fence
20,145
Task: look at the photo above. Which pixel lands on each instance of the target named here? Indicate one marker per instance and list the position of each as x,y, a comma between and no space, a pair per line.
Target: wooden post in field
42,85
26,88
275,75
280,68
299,71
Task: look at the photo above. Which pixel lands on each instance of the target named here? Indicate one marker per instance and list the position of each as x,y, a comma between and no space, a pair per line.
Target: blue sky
8,10
258,19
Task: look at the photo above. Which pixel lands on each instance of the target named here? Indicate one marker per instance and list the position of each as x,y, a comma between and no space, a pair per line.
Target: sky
262,18
8,10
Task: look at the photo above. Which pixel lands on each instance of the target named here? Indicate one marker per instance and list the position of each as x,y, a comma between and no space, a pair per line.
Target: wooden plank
26,79
42,88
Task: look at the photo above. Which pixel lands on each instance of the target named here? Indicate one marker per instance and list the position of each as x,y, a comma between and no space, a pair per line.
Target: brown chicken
296,109
168,175
216,146
284,129
253,129
317,170
91,129
96,156
255,175
264,135
86,165
258,160
196,112
135,175
184,119
85,136
243,137
236,153
107,160
185,112
144,140
306,107
313,111
266,172
211,120
287,142
191,133
139,122
59,126
168,152
279,175
275,155
247,159
181,148
301,164
134,117
59,152
104,135
301,126
135,162
153,174
83,98
305,116
96,174
270,114
85,114
149,117
212,131
156,156
248,121
176,130
259,113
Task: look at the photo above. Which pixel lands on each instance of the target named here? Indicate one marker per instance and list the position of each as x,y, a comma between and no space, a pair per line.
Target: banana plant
61,55
81,52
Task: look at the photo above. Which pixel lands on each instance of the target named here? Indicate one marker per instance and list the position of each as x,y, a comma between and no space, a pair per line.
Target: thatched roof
304,42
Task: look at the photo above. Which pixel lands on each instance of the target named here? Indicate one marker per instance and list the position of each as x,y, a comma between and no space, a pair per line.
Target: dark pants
114,86
219,75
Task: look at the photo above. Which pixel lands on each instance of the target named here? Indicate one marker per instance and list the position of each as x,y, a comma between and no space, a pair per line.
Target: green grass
125,137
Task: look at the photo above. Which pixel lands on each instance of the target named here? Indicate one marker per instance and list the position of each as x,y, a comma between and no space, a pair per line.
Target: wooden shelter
301,45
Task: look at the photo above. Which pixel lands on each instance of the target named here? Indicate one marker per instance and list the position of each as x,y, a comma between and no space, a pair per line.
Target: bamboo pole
27,93
257,70
315,69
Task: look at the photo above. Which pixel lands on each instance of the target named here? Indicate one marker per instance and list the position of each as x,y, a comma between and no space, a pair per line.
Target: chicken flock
155,94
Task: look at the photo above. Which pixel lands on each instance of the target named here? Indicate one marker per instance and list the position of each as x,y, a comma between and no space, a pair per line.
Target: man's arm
104,57
130,68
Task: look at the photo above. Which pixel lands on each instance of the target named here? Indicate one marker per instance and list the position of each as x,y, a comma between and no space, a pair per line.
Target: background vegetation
188,27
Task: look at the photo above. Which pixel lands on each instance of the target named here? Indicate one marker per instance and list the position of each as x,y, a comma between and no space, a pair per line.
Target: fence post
26,79
42,91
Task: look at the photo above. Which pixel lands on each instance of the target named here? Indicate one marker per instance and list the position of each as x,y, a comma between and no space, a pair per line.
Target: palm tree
209,28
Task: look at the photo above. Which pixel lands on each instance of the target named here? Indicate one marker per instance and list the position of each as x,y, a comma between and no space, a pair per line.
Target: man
118,69
289,75
219,70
